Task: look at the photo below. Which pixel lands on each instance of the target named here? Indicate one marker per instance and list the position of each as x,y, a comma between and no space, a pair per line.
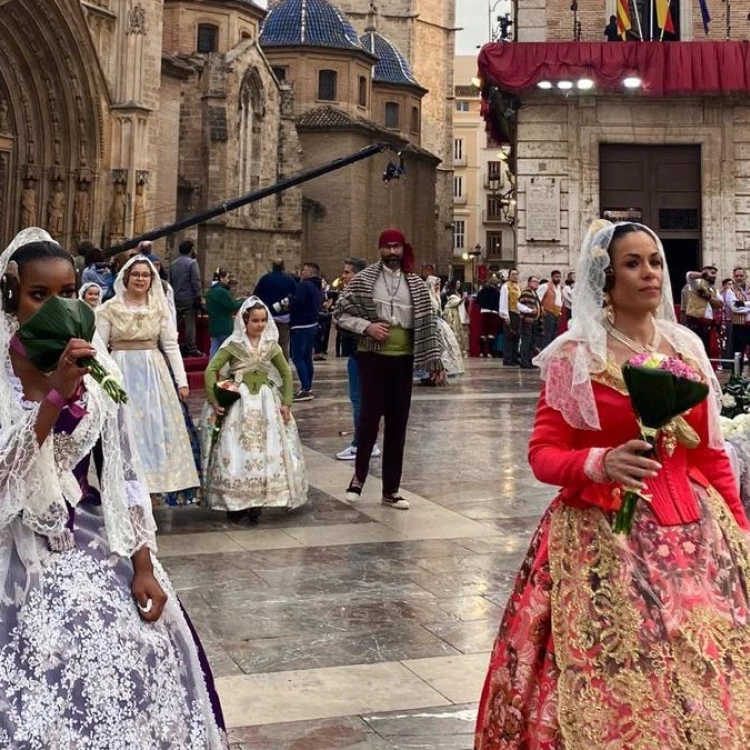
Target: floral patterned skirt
256,461
638,642
80,669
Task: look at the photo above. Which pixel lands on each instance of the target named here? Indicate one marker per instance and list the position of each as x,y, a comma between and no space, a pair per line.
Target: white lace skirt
80,669
160,434
257,460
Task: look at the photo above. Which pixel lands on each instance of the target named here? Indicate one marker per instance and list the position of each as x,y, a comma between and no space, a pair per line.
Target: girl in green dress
255,461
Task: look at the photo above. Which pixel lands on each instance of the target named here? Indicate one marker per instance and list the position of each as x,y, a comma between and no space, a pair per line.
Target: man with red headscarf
389,308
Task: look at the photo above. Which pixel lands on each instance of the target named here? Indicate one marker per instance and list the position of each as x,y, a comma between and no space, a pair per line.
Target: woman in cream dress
137,327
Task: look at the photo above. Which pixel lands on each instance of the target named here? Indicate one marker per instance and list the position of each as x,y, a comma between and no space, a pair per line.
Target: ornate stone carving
119,207
82,211
56,211
29,205
4,115
139,205
137,19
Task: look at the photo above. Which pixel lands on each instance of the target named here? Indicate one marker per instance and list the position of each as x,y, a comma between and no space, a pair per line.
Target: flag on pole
705,14
664,16
623,18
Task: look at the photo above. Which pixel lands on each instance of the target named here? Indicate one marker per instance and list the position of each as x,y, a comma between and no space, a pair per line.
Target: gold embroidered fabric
651,631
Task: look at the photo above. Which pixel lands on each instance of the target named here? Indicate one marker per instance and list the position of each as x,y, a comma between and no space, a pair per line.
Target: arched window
327,85
208,38
362,91
251,113
392,115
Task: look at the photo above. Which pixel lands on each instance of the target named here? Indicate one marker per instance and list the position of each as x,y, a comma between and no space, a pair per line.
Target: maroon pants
385,393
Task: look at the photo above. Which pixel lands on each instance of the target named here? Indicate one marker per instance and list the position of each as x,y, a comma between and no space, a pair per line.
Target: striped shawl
357,300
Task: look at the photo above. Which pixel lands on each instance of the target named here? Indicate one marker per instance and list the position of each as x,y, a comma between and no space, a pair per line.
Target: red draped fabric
665,68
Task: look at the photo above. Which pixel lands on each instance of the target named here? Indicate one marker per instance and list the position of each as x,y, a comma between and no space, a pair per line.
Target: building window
415,119
459,235
494,207
495,170
362,91
462,106
458,187
280,73
208,38
458,149
494,244
327,85
392,115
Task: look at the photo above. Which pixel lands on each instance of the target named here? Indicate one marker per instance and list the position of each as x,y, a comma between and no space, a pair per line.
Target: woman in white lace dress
95,649
137,326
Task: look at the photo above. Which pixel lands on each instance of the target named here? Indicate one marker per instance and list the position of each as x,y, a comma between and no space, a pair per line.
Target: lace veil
156,296
569,362
37,482
433,286
259,358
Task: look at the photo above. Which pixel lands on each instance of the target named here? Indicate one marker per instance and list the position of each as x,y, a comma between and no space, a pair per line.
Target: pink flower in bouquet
656,361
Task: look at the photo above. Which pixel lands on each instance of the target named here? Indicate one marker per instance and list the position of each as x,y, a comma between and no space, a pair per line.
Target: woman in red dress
633,642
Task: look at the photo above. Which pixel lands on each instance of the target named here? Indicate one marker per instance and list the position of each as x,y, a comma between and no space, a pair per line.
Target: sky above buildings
472,16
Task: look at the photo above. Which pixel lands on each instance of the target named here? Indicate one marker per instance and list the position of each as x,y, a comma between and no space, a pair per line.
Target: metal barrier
736,363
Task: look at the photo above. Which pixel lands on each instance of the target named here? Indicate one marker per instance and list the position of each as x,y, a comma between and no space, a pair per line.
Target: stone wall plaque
543,209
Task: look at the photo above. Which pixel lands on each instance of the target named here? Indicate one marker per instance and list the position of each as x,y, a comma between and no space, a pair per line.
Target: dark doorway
683,256
659,186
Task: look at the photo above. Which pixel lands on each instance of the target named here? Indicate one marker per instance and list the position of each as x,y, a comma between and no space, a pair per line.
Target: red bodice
558,453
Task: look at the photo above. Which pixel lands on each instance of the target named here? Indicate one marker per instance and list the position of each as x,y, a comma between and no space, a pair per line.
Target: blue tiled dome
309,23
392,66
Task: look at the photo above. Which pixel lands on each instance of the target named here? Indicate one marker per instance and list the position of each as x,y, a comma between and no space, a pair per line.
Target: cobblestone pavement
365,628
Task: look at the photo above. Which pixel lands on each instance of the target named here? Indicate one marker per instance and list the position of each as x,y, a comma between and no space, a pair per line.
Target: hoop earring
609,311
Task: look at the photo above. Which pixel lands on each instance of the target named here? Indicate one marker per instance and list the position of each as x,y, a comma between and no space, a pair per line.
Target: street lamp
505,22
473,256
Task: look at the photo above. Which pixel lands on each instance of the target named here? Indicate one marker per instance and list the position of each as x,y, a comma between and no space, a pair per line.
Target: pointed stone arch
252,110
53,94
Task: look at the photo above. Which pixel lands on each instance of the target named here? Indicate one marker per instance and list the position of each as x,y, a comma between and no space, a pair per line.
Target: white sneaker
395,501
349,454
376,451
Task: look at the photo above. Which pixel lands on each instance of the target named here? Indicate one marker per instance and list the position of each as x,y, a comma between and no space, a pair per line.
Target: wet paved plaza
361,627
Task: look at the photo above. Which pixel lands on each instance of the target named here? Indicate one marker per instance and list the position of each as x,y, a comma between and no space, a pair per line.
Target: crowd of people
605,636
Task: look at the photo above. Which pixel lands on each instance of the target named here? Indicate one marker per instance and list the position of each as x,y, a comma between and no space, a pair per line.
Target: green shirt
400,343
221,307
253,379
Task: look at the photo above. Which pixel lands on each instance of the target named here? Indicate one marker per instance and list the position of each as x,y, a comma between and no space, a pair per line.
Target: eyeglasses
136,275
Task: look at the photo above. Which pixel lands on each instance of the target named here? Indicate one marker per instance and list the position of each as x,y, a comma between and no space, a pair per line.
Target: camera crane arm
393,172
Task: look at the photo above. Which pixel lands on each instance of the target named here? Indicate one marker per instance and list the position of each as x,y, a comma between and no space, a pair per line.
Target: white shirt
729,299
695,285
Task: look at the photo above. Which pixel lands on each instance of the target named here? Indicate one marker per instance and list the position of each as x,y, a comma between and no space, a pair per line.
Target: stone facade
424,31
346,211
111,124
560,137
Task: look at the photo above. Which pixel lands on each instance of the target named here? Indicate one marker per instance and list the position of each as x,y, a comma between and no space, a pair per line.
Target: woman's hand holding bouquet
627,465
661,389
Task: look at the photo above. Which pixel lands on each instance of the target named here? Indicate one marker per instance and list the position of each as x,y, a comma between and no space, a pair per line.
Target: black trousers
740,338
511,335
385,385
530,340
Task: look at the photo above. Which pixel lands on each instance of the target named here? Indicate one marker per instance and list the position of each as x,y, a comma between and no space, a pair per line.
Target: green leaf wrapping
658,396
47,332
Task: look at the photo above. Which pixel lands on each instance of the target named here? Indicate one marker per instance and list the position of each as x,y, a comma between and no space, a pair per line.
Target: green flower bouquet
44,336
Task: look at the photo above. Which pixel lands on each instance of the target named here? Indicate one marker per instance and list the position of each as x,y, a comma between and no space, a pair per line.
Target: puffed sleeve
715,466
171,349
552,453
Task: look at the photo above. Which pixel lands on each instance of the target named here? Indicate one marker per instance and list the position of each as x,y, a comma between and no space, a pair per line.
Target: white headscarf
256,358
156,296
85,287
38,482
569,362
433,286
